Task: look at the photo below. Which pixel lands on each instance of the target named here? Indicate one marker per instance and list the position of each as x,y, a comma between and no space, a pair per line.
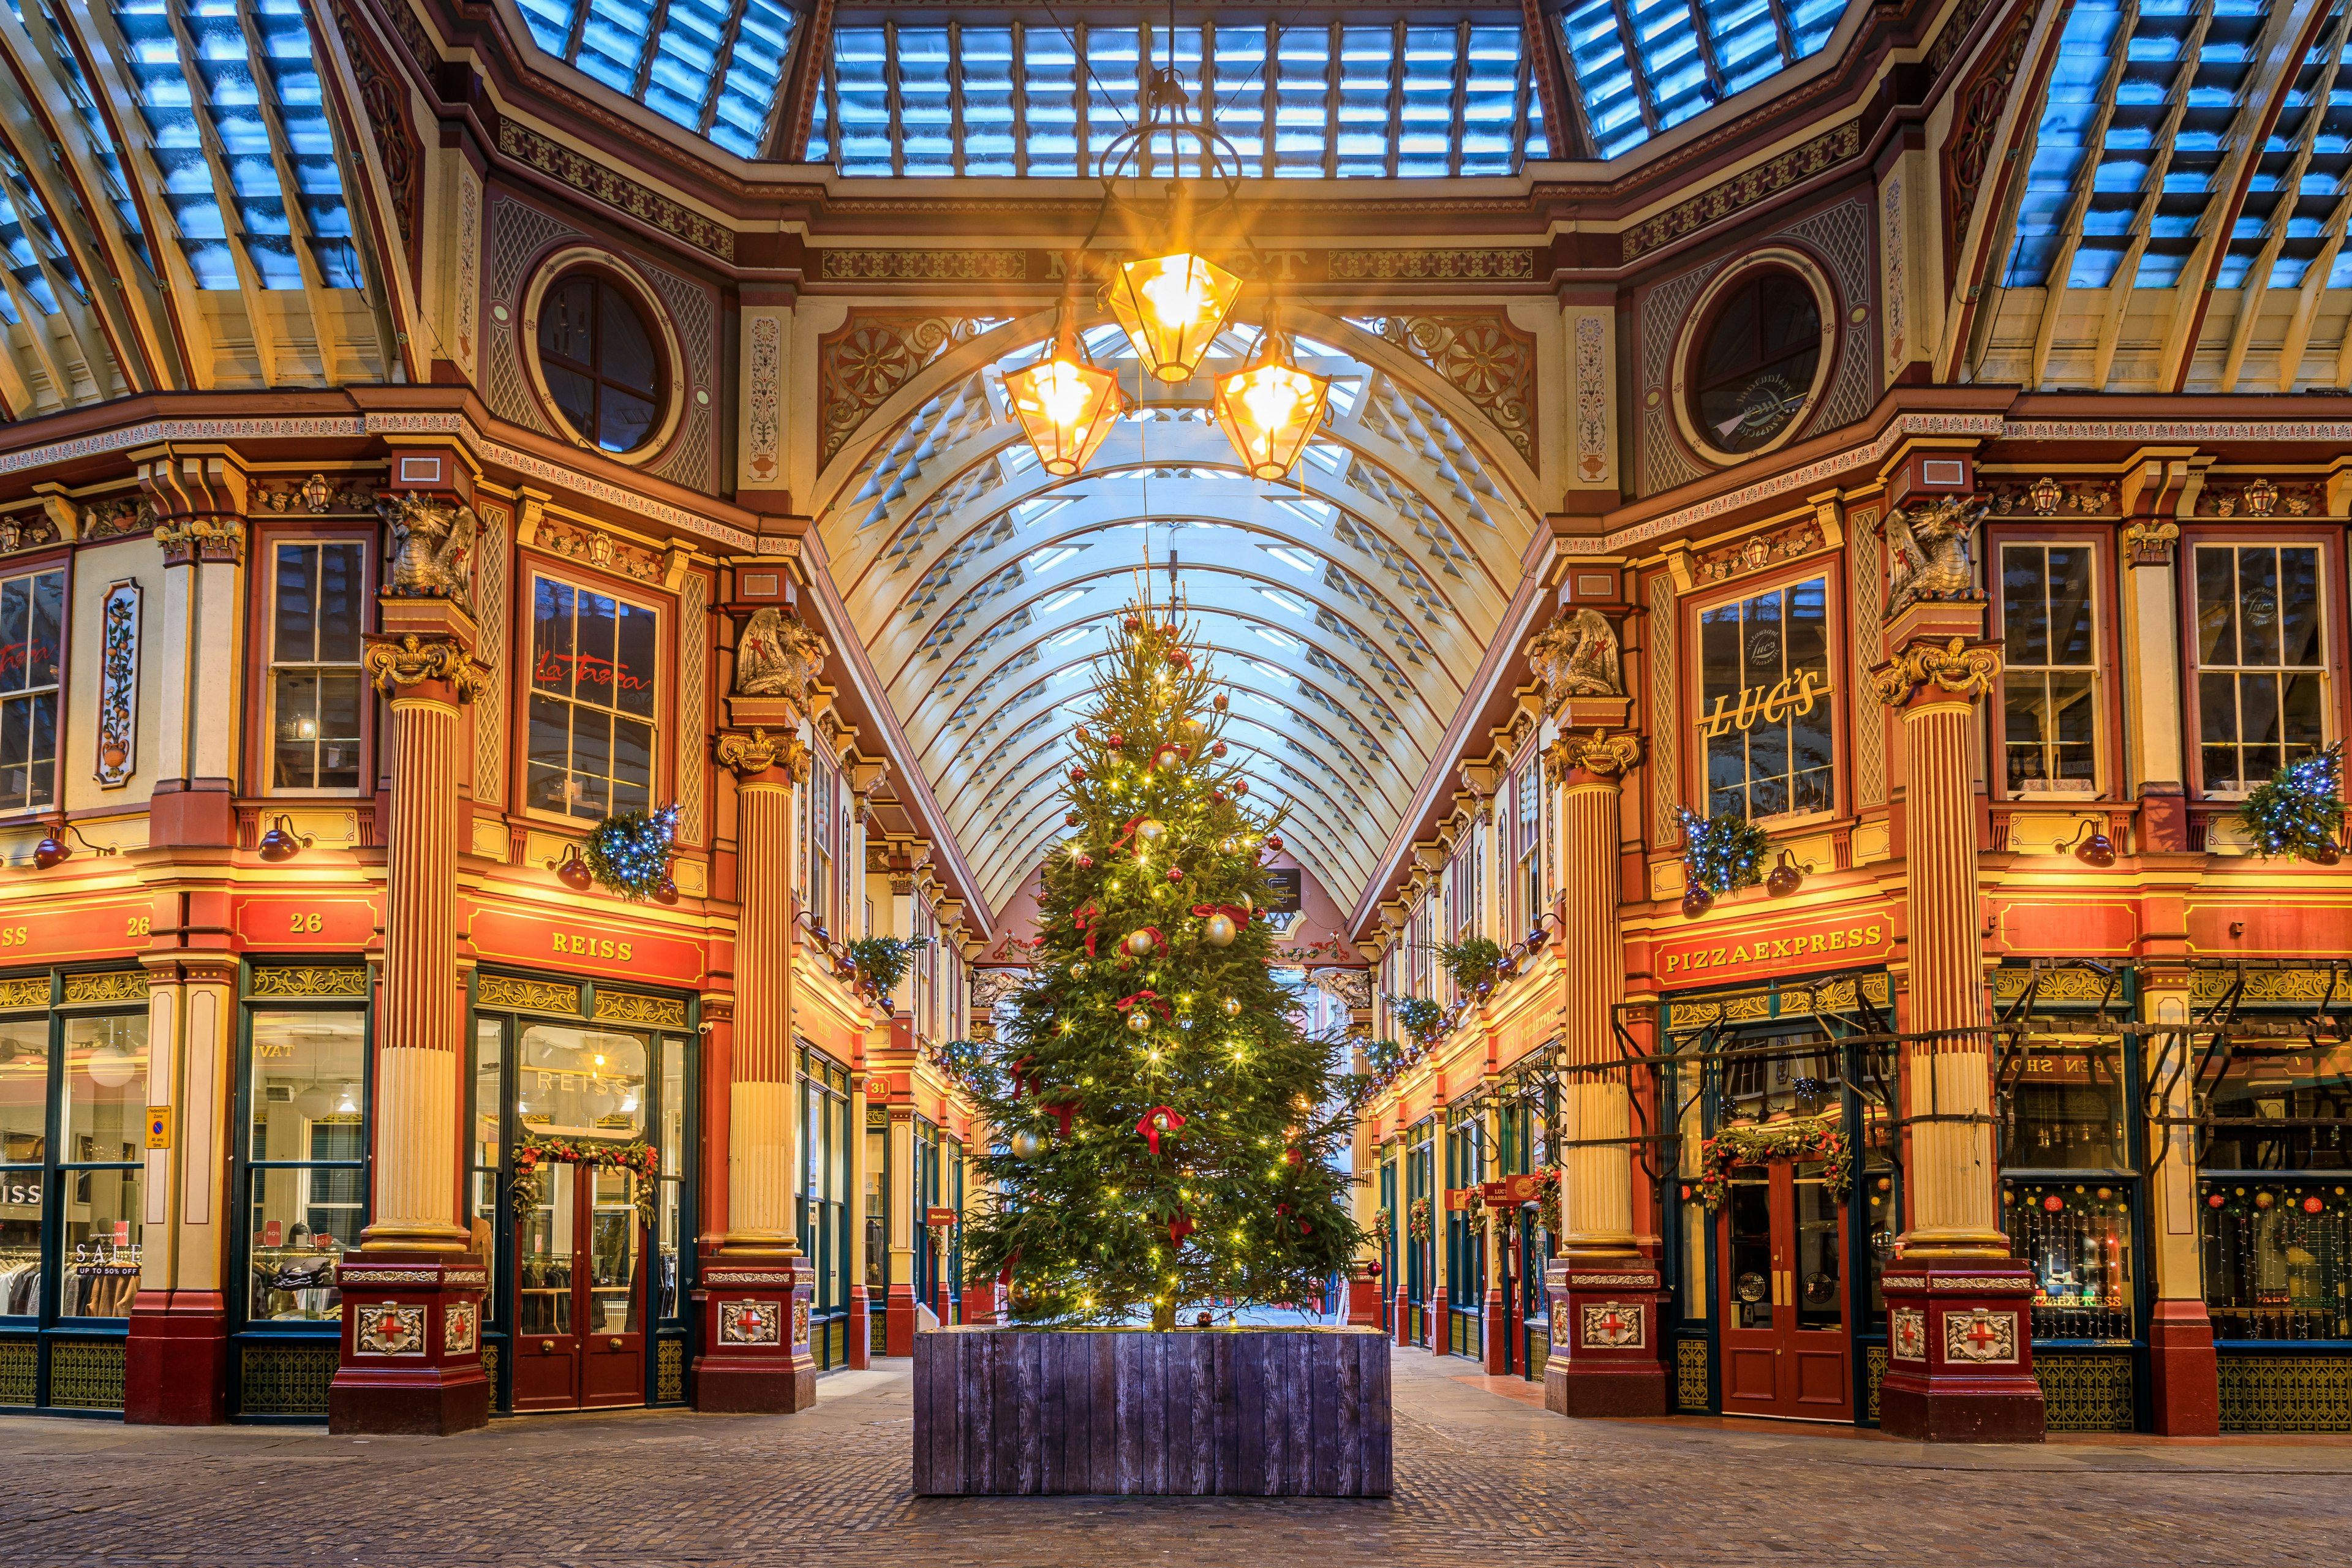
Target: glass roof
1642,66
715,66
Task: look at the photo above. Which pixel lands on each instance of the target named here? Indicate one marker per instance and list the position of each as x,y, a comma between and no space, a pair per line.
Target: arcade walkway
1480,1479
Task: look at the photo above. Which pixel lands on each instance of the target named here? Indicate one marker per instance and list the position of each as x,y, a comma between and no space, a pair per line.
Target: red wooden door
547,1295
612,1289
580,1293
1786,1349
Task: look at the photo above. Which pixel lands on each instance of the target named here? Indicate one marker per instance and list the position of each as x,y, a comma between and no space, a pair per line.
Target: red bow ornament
1151,999
1085,920
1159,1119
1180,1227
1233,912
1062,1112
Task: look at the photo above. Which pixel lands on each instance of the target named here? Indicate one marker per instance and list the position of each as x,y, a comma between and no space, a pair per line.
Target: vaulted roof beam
2078,203
2288,190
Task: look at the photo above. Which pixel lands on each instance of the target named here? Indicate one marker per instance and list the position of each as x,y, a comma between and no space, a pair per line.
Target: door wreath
1805,1138
640,1158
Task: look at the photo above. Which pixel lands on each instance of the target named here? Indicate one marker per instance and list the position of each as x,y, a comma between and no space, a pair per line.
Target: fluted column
1604,1290
763,1141
1959,1328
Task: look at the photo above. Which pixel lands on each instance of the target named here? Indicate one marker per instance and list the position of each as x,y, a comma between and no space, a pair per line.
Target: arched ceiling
1347,607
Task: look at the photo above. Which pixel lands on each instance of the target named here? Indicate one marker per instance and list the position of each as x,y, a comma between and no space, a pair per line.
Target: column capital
759,752
1598,758
1935,670
425,663
2149,541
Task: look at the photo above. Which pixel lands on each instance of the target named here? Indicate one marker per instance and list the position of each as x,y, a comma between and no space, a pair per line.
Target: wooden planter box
1194,1412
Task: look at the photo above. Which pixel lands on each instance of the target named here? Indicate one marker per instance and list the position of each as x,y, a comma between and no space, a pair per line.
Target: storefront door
580,1293
1786,1352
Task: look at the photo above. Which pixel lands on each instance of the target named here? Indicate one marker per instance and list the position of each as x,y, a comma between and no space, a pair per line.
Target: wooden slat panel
1102,1383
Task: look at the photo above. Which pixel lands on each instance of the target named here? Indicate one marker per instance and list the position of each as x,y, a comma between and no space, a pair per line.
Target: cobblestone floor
1480,1478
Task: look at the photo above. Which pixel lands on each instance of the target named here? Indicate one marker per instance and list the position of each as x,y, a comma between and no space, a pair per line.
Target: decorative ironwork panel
878,1335
311,979
2264,984
489,703
87,1374
285,1378
2286,1393
532,995
123,986
1874,1373
1464,1339
28,992
2085,1392
490,1353
1665,721
20,1365
1538,1351
837,1343
1690,1375
669,1373
627,1008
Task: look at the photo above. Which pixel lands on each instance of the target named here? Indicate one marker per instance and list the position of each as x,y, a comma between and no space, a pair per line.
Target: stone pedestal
1438,1317
1496,1321
755,1333
1959,1364
861,1330
2184,1373
412,1360
898,1319
1364,1295
175,1360
1604,1339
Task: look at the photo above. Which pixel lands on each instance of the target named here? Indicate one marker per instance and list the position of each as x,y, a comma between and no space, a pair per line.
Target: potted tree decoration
1172,1139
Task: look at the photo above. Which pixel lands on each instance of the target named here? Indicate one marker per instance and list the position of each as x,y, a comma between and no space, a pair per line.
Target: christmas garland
883,961
1548,1199
1421,1018
2299,811
1380,1227
1416,1220
1722,854
628,852
640,1157
1808,1138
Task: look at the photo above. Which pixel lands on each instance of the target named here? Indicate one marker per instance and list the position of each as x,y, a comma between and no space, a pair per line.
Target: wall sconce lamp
572,870
282,843
1787,876
52,848
2092,847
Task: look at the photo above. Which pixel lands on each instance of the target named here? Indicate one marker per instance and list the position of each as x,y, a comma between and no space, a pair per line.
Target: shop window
2068,1193
670,1207
1755,361
580,1083
306,1144
2077,1236
824,1180
2064,1111
23,1156
2049,676
597,355
73,1101
2278,1258
878,1205
486,1148
32,620
2260,661
1766,725
594,662
317,603
2280,1107
1527,873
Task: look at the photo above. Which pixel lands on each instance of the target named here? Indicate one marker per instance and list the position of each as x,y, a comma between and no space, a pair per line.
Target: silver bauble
1139,942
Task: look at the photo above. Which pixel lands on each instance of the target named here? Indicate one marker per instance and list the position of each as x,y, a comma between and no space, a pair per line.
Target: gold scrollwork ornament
412,661
1600,754
1958,669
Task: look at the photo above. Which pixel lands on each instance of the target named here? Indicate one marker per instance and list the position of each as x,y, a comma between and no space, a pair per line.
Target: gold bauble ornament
1229,846
1078,971
1139,1021
1219,930
1026,1145
1193,729
1233,1007
1139,942
1150,833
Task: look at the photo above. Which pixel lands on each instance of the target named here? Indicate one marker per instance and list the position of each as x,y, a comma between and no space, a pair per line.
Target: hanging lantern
1067,402
1173,308
1268,408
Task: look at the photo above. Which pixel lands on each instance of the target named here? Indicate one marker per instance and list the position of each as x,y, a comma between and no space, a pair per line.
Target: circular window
1755,351
598,358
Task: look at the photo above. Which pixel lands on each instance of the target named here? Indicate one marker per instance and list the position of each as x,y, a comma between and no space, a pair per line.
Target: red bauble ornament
1218,750
1216,797
1219,703
1175,873
2312,1205
1086,862
1273,841
1133,623
1077,776
1115,741
2053,1202
2213,1200
1071,818
1241,787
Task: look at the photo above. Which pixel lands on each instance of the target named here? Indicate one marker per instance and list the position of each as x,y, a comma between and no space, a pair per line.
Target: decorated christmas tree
1165,1127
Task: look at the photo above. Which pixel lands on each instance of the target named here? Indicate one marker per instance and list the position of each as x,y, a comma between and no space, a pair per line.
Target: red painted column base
1496,1326
1438,1316
861,1330
755,1323
1604,1339
412,1356
1404,1316
175,1362
899,1321
981,1307
1959,1364
1363,1289
2185,1374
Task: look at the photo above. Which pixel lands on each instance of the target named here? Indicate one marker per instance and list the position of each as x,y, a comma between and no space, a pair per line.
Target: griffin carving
1578,655
432,545
1935,551
777,655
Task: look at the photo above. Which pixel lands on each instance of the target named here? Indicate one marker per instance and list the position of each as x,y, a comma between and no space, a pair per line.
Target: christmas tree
1166,1126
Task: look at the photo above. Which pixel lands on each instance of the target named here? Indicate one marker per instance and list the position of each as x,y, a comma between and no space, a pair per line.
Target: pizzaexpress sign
1831,940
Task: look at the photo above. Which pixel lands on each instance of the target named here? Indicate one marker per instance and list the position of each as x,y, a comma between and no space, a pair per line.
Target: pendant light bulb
1270,407
1173,308
1067,404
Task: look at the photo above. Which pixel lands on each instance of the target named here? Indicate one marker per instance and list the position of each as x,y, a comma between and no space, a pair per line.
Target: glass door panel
1818,1356
1751,1299
613,1371
1786,1350
547,1342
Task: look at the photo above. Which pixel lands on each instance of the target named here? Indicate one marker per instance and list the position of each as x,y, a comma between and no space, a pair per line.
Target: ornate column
412,1291
1604,1292
1495,1315
2184,1373
1961,1364
905,1219
756,1285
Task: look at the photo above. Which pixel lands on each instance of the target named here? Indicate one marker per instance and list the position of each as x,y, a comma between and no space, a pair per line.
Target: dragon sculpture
1578,655
432,545
1934,551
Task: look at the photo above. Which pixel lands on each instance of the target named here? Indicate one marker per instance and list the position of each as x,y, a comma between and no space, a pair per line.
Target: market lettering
593,947
1764,950
554,668
1789,695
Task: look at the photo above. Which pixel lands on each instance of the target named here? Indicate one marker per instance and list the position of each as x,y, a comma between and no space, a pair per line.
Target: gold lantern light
1270,407
1067,404
1173,308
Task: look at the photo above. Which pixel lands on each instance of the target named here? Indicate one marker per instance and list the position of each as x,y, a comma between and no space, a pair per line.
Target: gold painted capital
416,661
187,540
1600,756
1956,669
748,756
2149,541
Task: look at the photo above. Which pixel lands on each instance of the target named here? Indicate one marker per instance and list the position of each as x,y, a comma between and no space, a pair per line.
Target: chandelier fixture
1067,402
1173,308
1270,407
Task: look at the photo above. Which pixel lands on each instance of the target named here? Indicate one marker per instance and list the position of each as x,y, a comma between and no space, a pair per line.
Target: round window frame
1702,318
572,262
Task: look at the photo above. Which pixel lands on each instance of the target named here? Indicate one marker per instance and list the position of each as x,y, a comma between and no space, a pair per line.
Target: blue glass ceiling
715,66
1642,66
